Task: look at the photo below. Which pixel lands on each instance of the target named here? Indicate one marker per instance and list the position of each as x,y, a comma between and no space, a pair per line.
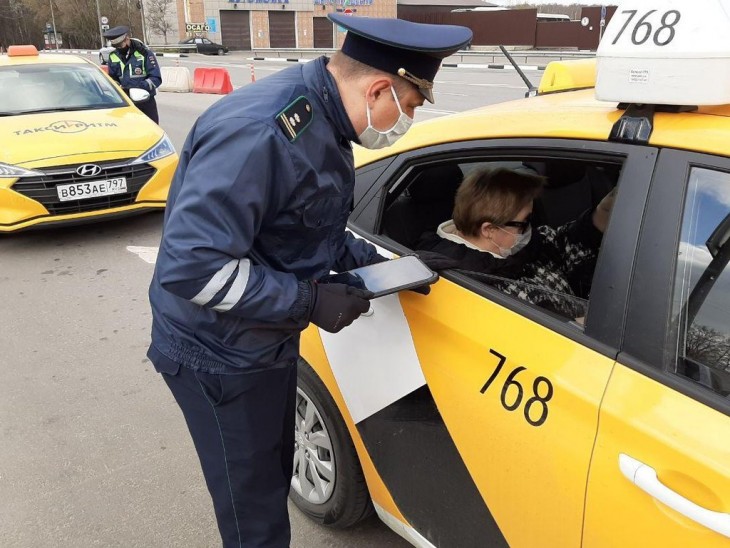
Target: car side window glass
206,41
554,269
699,346
198,41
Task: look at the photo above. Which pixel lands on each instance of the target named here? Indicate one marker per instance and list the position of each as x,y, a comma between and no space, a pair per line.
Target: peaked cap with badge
116,35
413,51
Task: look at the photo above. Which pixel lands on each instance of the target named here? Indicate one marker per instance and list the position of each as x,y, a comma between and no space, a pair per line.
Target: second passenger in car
491,233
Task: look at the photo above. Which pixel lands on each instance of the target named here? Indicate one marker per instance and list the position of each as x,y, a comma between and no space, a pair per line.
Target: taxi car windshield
27,89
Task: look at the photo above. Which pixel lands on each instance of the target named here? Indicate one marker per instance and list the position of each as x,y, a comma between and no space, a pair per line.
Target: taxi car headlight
163,148
8,171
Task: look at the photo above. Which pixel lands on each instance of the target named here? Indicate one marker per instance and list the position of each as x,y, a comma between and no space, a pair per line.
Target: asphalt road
93,449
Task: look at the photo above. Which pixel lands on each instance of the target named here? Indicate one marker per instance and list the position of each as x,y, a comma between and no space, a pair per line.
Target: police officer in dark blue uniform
256,215
134,65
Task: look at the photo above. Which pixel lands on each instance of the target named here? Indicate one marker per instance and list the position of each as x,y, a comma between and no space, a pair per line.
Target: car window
198,40
556,269
206,41
46,88
700,349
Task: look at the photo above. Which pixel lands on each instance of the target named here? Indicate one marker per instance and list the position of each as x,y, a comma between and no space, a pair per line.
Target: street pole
144,33
98,22
53,19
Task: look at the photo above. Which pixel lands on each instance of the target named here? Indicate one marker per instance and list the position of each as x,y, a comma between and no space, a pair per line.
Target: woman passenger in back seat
491,234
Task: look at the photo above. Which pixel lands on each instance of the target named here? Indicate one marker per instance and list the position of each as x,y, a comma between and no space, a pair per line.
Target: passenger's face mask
372,138
521,240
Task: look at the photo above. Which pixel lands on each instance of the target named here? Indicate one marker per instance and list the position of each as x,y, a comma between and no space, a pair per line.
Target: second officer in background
134,65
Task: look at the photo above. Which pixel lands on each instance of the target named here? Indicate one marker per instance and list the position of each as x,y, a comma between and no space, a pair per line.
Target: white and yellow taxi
471,418
74,146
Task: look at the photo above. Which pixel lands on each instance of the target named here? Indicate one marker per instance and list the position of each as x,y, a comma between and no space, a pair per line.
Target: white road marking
452,83
435,111
147,254
451,94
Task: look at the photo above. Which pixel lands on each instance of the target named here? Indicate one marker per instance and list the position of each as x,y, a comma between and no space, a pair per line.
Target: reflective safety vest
139,70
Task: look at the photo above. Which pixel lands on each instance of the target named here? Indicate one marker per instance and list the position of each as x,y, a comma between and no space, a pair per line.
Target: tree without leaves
19,24
708,346
158,21
76,19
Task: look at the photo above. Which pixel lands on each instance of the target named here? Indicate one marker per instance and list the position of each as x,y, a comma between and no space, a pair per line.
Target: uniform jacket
253,210
553,271
135,68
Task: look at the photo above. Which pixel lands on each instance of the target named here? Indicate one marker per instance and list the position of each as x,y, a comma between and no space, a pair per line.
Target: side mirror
139,95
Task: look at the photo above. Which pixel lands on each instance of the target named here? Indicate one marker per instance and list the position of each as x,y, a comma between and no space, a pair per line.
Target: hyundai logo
88,170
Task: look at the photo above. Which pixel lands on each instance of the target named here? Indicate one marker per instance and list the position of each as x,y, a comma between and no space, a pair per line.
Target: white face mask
372,138
520,242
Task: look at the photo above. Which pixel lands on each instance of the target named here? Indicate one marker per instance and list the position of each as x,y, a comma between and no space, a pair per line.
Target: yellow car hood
30,140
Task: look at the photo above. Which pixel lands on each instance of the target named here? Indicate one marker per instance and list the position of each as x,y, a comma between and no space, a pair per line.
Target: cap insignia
420,82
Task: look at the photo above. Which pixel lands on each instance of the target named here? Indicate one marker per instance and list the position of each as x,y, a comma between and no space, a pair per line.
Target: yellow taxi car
471,418
75,148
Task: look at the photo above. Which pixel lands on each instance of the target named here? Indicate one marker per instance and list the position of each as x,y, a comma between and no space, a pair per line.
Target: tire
346,501
220,51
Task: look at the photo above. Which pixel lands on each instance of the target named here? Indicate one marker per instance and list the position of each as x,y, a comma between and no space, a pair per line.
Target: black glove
378,258
436,261
335,306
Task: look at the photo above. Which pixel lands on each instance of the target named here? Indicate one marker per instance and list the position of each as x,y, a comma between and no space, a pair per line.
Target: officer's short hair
349,68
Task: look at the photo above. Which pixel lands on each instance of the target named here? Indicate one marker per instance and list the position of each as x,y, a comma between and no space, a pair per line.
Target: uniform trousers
149,107
243,430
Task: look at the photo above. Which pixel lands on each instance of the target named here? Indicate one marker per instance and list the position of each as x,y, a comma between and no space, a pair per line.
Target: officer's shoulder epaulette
295,118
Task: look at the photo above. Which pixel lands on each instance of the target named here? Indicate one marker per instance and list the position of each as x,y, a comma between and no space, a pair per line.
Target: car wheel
220,51
327,484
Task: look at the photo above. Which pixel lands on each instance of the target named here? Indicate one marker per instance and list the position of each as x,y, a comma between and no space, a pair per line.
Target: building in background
408,7
287,24
302,24
522,28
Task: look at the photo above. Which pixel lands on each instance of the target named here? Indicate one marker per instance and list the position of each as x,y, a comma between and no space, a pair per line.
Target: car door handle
645,478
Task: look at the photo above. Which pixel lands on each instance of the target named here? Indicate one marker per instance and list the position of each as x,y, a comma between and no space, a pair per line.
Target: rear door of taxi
495,449
660,473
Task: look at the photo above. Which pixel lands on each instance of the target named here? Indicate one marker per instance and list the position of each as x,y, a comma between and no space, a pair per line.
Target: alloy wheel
314,463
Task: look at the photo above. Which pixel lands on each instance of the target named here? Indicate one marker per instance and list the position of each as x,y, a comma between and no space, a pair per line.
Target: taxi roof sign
666,52
568,75
22,51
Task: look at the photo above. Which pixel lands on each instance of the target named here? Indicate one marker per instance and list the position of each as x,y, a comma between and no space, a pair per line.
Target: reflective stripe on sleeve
237,288
216,283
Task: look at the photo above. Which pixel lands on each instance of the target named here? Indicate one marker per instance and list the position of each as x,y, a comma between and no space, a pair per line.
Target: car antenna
531,90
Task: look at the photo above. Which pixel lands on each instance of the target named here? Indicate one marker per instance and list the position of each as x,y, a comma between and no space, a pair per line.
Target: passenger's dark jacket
254,209
553,271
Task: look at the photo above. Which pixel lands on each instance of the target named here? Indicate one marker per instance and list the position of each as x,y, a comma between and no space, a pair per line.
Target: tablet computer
387,277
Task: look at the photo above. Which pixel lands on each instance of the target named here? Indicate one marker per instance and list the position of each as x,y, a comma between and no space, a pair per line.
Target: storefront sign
196,27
